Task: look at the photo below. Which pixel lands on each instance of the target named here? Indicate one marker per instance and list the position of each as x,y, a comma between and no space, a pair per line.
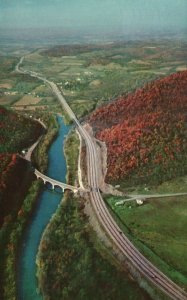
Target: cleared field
38,108
28,100
140,62
149,72
79,101
95,83
5,100
83,108
68,93
106,71
181,68
42,91
159,229
8,100
5,86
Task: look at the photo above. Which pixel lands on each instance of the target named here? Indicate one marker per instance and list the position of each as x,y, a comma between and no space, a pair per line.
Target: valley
137,91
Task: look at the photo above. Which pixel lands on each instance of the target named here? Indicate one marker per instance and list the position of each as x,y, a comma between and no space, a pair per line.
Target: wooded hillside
145,132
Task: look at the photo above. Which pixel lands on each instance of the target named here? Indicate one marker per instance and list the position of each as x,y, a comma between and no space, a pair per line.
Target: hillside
145,132
16,133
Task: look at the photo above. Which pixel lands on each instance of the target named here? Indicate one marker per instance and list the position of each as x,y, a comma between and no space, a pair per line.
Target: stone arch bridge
54,182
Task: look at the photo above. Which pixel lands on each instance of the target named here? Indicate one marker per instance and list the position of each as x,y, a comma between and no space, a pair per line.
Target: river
46,207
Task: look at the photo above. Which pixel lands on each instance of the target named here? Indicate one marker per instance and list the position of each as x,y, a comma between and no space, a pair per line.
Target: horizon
28,37
95,18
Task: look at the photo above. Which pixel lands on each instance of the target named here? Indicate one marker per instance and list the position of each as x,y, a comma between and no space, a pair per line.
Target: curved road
145,267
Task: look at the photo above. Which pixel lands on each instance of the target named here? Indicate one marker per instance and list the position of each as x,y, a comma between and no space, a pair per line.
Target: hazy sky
127,15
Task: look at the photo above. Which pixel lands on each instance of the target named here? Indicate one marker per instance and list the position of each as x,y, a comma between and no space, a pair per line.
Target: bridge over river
56,183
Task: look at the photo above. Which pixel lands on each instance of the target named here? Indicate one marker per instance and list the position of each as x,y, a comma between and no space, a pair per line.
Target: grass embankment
12,230
158,229
71,151
69,265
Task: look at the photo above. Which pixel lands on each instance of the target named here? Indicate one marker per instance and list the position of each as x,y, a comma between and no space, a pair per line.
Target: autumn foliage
145,132
16,133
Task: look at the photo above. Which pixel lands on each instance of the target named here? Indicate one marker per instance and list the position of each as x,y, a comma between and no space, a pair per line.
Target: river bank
47,204
67,253
13,189
16,227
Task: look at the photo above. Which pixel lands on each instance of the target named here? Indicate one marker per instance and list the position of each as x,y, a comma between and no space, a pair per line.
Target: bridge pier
55,183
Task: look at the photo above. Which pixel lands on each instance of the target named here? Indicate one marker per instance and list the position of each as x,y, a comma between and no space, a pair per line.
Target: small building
139,201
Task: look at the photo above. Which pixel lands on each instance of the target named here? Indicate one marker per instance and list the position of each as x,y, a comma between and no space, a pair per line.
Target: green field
99,74
22,92
90,74
176,185
159,229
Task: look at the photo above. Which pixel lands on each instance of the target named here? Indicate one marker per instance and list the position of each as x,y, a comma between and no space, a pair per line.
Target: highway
137,260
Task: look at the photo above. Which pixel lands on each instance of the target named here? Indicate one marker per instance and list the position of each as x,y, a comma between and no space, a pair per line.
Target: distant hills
146,132
46,36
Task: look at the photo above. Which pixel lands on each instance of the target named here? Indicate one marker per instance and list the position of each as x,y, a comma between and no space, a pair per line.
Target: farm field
94,74
20,91
100,73
158,228
90,77
28,100
176,185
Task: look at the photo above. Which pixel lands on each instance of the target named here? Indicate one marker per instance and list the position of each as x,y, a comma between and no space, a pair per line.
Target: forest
145,132
16,132
75,269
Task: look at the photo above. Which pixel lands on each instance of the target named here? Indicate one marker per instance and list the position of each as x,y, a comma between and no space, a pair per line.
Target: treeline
69,50
16,131
145,132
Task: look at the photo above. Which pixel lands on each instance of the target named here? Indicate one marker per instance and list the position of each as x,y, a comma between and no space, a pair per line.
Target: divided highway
137,260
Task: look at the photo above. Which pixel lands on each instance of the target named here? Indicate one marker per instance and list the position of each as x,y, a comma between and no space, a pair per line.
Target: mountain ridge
145,132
